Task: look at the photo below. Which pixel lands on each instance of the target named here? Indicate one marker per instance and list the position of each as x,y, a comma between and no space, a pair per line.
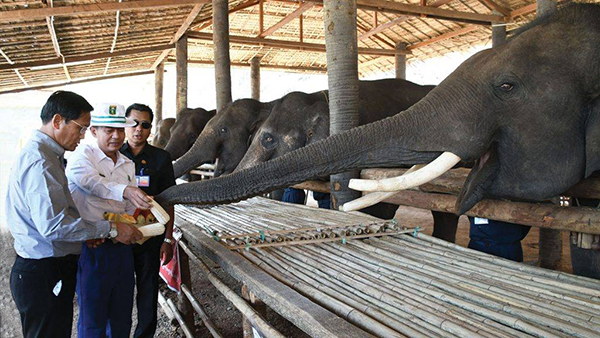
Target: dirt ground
222,312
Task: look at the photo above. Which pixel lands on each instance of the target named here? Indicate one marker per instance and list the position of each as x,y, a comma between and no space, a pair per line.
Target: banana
161,215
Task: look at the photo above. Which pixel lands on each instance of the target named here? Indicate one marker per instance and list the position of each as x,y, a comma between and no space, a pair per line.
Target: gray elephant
189,124
528,113
163,132
226,137
299,119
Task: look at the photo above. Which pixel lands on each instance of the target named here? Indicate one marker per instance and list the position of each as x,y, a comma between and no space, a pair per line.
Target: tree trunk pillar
181,62
545,7
342,77
159,73
221,52
255,78
401,61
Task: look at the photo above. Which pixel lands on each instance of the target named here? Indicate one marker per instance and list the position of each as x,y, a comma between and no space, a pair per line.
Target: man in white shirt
102,180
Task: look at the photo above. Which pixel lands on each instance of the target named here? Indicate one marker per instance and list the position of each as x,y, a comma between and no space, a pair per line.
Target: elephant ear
318,126
479,180
592,139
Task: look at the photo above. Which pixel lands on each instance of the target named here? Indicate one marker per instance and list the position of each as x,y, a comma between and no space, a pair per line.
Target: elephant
527,112
226,137
189,124
163,132
300,119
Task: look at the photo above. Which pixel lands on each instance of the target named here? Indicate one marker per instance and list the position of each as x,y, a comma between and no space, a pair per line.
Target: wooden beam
245,64
523,10
494,6
40,13
310,317
464,30
298,12
261,18
293,45
10,62
208,21
88,57
76,81
50,24
182,29
396,21
301,28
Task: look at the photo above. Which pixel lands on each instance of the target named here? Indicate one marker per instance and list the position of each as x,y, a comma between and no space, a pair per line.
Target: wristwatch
168,240
113,231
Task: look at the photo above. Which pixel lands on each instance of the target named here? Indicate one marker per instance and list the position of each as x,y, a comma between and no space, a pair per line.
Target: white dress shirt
97,182
41,214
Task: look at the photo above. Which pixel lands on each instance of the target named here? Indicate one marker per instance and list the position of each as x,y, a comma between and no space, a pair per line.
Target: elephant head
301,119
185,131
226,137
163,132
527,112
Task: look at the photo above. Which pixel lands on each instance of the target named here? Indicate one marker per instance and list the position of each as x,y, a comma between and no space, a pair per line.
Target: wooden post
257,304
401,61
498,33
181,70
159,72
342,77
255,77
183,304
550,250
545,7
221,52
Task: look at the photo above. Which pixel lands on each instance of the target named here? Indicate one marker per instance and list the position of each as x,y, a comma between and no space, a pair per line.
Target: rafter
462,31
58,61
182,29
54,39
208,21
298,12
10,62
293,45
494,6
40,13
246,64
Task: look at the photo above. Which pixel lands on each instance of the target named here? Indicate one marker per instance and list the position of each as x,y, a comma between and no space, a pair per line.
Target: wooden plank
96,56
298,12
40,13
82,80
301,311
294,45
549,216
182,29
442,37
245,64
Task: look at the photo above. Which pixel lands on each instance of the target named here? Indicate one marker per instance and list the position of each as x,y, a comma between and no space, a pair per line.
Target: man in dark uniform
497,238
154,173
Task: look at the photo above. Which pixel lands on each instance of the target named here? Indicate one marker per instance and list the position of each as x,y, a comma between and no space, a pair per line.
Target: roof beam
243,64
182,29
496,7
464,30
298,12
81,80
40,13
293,45
527,9
396,21
50,24
208,21
88,57
10,62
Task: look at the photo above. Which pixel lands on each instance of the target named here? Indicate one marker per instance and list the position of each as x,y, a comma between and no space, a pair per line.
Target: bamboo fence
408,284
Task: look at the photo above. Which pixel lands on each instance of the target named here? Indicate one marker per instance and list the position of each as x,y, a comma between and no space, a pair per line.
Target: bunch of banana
148,223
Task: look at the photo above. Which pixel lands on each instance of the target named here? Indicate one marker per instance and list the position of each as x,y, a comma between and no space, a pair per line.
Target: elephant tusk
374,197
436,168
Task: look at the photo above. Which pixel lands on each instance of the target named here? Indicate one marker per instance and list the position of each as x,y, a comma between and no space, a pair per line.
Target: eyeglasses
144,124
83,129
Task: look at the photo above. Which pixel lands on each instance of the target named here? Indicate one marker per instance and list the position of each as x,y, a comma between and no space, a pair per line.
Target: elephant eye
223,130
268,140
507,87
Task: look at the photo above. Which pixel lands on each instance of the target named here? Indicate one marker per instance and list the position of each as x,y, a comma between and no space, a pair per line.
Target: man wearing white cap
102,180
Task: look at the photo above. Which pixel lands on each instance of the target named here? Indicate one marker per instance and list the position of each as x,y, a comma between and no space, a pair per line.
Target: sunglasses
144,124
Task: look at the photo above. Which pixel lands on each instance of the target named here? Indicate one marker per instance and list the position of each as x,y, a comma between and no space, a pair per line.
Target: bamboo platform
390,286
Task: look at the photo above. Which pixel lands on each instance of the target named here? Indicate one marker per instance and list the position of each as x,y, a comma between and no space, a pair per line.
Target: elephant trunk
389,142
204,150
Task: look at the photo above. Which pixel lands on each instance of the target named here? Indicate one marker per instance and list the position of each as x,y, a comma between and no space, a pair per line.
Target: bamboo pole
257,321
207,322
180,320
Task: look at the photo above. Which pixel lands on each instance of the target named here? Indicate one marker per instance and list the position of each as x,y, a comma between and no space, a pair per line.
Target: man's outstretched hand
138,197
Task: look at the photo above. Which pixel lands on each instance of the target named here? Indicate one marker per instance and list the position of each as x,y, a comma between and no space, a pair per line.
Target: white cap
111,115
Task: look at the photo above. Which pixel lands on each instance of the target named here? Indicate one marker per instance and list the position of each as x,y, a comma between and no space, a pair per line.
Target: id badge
479,220
142,181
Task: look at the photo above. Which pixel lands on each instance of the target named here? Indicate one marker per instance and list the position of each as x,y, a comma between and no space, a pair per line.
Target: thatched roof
44,41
